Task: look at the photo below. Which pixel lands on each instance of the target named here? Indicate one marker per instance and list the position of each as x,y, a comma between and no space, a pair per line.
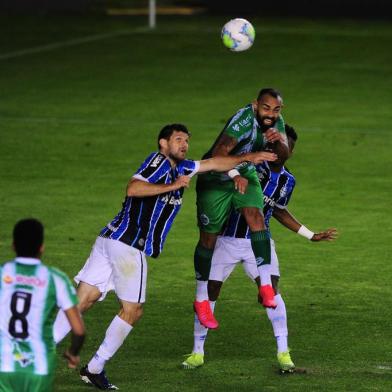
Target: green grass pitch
77,118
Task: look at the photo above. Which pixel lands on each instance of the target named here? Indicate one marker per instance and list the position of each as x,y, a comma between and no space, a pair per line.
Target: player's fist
181,182
240,184
72,360
272,135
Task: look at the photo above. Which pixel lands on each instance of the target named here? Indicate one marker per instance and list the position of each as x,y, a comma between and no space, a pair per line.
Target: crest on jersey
204,219
283,191
141,242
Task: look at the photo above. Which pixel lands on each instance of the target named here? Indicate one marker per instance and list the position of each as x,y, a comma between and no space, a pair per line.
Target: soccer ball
238,35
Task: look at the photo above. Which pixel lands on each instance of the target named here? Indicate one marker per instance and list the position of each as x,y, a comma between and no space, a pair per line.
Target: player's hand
181,182
272,135
327,235
261,156
72,360
240,184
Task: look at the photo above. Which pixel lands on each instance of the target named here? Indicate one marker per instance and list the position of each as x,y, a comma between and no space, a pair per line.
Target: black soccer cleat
99,380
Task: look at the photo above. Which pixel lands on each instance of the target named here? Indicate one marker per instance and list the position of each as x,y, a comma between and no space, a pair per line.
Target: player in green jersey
250,129
30,295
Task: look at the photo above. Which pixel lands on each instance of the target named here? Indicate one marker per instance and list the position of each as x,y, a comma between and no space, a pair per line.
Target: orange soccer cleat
267,294
204,314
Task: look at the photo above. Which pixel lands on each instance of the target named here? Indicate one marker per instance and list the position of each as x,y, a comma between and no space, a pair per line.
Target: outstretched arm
225,163
284,217
139,188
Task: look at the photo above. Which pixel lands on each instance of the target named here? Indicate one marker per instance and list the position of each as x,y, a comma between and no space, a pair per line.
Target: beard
263,126
178,157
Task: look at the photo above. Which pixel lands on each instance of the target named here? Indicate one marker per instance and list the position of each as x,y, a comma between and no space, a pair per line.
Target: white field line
72,42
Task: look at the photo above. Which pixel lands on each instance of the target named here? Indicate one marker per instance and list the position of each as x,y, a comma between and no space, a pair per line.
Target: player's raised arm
285,217
139,188
225,163
77,339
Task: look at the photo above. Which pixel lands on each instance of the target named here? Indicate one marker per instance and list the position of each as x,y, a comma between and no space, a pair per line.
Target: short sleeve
153,168
284,199
66,296
188,167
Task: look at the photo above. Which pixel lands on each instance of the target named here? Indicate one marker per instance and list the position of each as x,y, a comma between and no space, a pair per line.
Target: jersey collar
269,167
27,260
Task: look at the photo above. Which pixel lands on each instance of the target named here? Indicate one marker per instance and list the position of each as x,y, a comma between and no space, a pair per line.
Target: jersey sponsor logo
8,279
23,358
30,280
156,161
204,219
236,127
171,200
269,201
245,122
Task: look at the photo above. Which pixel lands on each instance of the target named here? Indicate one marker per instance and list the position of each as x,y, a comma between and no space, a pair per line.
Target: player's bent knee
131,312
88,295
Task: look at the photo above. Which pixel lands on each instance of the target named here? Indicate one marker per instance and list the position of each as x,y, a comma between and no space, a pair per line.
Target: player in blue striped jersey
118,258
234,246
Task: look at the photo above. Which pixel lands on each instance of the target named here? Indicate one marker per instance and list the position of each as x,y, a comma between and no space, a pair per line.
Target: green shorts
25,382
216,198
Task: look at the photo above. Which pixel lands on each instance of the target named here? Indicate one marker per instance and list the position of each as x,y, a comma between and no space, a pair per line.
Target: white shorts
230,251
113,265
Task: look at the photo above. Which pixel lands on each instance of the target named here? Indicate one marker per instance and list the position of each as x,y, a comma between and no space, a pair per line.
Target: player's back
30,294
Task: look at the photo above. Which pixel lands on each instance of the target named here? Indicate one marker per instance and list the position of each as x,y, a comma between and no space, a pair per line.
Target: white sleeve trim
140,177
196,169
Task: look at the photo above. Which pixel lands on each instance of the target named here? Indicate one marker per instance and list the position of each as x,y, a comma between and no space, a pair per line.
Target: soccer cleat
267,294
99,380
204,314
193,361
286,365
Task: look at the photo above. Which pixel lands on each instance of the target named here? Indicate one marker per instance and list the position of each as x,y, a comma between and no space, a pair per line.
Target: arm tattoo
224,145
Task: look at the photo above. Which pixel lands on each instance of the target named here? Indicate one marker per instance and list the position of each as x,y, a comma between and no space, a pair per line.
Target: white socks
201,290
278,320
200,333
116,333
61,327
265,274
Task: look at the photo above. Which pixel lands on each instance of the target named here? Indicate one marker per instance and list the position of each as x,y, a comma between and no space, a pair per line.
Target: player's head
173,141
28,237
268,107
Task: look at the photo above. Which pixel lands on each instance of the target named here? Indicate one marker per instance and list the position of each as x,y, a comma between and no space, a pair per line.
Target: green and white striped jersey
30,295
244,127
